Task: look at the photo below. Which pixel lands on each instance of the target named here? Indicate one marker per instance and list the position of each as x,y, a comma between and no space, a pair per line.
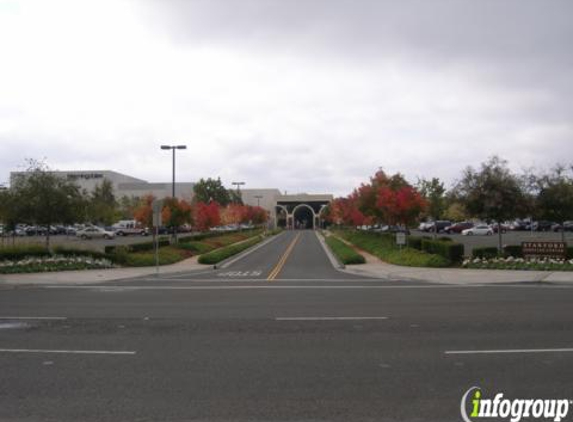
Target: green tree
492,193
207,190
44,198
555,197
102,204
126,207
433,192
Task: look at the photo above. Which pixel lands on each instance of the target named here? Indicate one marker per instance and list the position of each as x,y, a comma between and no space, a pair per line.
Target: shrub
570,252
21,252
453,252
415,242
344,253
513,250
221,254
65,251
148,246
486,252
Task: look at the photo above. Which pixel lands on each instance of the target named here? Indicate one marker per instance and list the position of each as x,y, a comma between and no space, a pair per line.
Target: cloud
299,95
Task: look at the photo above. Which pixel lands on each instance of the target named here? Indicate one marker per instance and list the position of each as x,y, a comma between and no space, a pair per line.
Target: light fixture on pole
258,200
238,185
173,148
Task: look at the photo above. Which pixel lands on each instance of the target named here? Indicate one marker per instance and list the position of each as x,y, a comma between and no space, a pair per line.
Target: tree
127,206
143,213
207,190
102,204
492,193
44,198
175,213
555,198
433,192
206,216
400,206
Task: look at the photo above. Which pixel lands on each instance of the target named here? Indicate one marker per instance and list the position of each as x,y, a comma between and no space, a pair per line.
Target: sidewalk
374,267
99,276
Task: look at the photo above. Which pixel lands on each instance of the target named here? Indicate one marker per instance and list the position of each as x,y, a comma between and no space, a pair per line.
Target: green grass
385,248
221,254
343,252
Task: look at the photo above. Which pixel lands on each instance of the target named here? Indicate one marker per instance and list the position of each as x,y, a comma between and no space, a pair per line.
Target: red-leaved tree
207,216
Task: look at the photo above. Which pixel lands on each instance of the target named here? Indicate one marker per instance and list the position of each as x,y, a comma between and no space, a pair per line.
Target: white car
94,232
480,229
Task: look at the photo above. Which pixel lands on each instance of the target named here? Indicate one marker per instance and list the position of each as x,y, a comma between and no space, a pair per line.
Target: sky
300,95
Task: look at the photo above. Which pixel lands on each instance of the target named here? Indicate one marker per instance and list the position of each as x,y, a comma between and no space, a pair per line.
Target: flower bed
53,263
511,263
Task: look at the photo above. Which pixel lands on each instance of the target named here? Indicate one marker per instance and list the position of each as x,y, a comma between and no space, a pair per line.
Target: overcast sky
299,95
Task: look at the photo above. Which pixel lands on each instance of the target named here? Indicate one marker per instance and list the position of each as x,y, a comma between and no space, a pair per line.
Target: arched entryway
303,217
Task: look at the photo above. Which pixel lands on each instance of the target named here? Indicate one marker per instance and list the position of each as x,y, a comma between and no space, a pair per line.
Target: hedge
486,252
138,247
21,252
513,250
415,242
66,251
453,252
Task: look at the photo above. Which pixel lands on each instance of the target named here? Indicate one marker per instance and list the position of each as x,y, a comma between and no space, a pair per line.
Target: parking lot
508,238
76,242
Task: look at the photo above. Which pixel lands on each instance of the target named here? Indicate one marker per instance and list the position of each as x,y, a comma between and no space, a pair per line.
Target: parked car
567,226
496,226
94,233
541,226
127,227
480,229
424,225
458,227
438,226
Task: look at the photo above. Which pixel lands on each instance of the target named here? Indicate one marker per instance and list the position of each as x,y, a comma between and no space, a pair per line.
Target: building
291,211
123,185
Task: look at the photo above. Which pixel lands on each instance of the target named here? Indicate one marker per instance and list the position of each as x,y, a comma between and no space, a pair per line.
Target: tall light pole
258,199
238,185
173,148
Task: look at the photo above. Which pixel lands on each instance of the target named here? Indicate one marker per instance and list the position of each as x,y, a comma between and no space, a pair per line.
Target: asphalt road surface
278,336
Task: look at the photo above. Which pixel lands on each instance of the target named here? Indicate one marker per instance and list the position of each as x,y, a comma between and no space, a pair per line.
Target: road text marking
76,352
488,352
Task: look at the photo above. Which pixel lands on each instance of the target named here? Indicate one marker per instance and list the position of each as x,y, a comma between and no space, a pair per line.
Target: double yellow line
273,274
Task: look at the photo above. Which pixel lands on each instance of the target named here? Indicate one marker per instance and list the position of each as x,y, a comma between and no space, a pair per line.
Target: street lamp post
238,185
258,200
173,148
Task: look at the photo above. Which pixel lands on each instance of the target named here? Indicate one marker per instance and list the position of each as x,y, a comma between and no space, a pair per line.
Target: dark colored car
567,227
458,227
541,226
495,227
440,225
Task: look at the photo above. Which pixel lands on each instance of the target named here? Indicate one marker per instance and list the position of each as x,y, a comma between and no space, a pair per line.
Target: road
280,335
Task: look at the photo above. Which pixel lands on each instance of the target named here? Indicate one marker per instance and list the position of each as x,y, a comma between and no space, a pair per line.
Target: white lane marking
76,352
232,274
486,352
329,318
13,318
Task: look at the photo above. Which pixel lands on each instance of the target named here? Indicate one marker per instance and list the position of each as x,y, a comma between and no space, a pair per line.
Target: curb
232,259
333,258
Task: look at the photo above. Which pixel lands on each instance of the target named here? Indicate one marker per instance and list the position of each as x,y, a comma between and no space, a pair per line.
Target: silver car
94,232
